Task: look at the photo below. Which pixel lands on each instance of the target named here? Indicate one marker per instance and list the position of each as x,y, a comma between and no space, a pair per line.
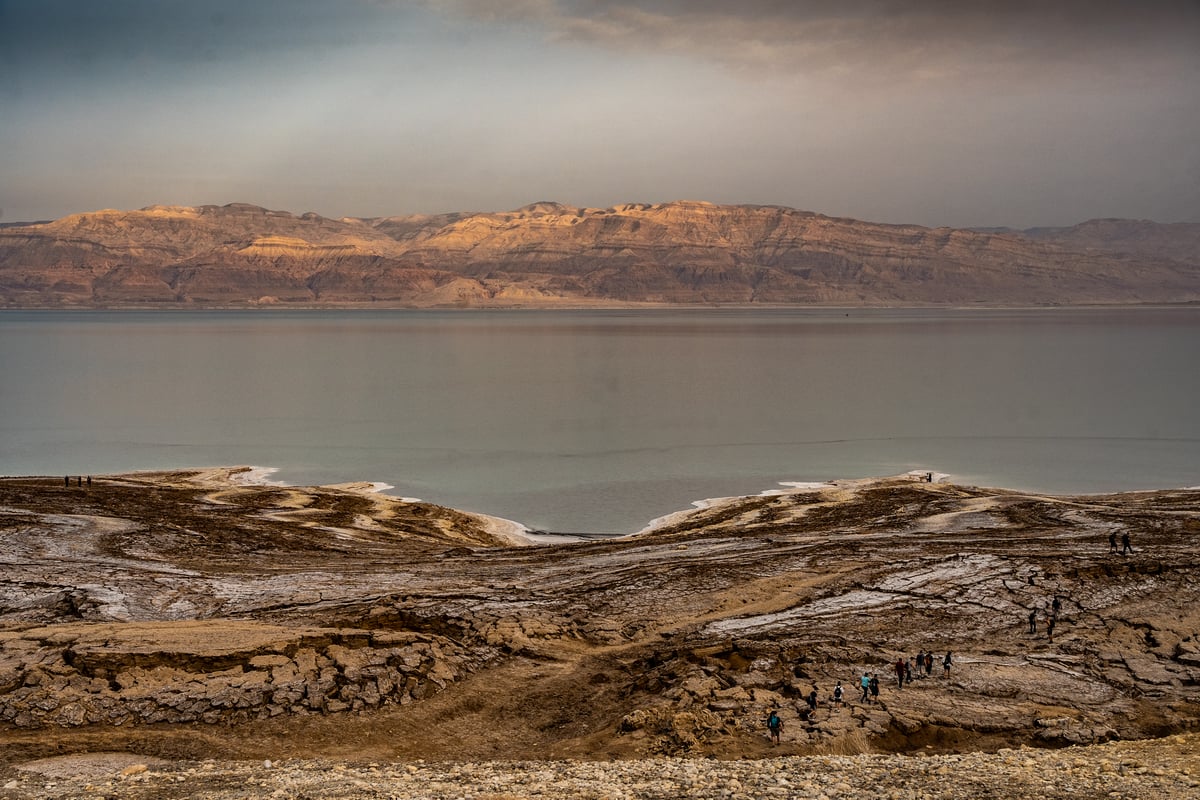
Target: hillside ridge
548,253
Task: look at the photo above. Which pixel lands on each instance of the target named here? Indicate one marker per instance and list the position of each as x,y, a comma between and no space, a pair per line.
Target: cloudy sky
950,112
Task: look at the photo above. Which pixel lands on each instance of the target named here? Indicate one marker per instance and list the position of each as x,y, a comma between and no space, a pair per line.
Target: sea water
598,421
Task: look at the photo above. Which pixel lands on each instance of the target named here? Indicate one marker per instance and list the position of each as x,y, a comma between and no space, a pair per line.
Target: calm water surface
599,421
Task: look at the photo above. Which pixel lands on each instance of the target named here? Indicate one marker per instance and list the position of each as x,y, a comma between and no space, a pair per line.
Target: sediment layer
184,614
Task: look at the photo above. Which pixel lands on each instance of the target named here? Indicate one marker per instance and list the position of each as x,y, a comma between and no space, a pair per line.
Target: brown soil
146,591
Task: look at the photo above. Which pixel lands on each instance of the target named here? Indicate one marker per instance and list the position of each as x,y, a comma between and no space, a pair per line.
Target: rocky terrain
209,626
1143,770
549,254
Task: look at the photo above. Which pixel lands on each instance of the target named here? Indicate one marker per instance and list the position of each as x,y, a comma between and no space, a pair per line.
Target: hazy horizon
918,111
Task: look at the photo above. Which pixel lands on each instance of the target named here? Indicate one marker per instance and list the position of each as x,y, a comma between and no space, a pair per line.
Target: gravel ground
1161,768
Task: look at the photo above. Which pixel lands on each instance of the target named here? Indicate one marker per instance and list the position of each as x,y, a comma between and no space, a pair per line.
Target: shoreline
517,533
359,627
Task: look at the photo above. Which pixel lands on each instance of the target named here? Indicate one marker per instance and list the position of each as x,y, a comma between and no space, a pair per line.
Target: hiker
1125,548
1112,542
908,672
1033,621
929,663
899,673
89,480
811,699
875,687
866,687
1050,628
67,481
946,665
774,725
837,694
1056,606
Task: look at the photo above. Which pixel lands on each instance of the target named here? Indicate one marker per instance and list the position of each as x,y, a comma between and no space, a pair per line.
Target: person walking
1050,628
865,681
1125,546
1112,541
899,673
837,694
875,688
1033,621
774,725
929,663
946,665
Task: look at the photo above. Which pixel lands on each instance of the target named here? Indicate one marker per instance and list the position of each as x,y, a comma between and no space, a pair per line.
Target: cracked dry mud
184,617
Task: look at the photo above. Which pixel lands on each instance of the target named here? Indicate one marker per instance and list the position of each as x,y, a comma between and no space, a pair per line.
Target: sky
960,113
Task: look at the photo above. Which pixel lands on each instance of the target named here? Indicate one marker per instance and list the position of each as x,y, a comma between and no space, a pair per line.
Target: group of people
79,479
1126,547
907,670
1051,618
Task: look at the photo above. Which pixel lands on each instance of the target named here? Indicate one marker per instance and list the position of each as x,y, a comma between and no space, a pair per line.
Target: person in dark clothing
811,699
1125,546
1056,606
899,673
946,665
929,663
1050,628
67,481
874,688
1033,621
1112,542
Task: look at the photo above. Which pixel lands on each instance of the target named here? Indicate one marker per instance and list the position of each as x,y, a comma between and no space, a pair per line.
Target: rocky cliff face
552,254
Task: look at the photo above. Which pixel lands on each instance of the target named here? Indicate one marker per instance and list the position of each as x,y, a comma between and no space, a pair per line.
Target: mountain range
549,254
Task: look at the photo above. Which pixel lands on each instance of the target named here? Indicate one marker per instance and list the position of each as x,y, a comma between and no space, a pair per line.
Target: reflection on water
602,420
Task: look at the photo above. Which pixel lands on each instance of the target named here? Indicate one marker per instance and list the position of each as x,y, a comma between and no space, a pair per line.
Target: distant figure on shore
89,480
79,481
774,725
1125,546
67,481
946,665
1112,542
1033,621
